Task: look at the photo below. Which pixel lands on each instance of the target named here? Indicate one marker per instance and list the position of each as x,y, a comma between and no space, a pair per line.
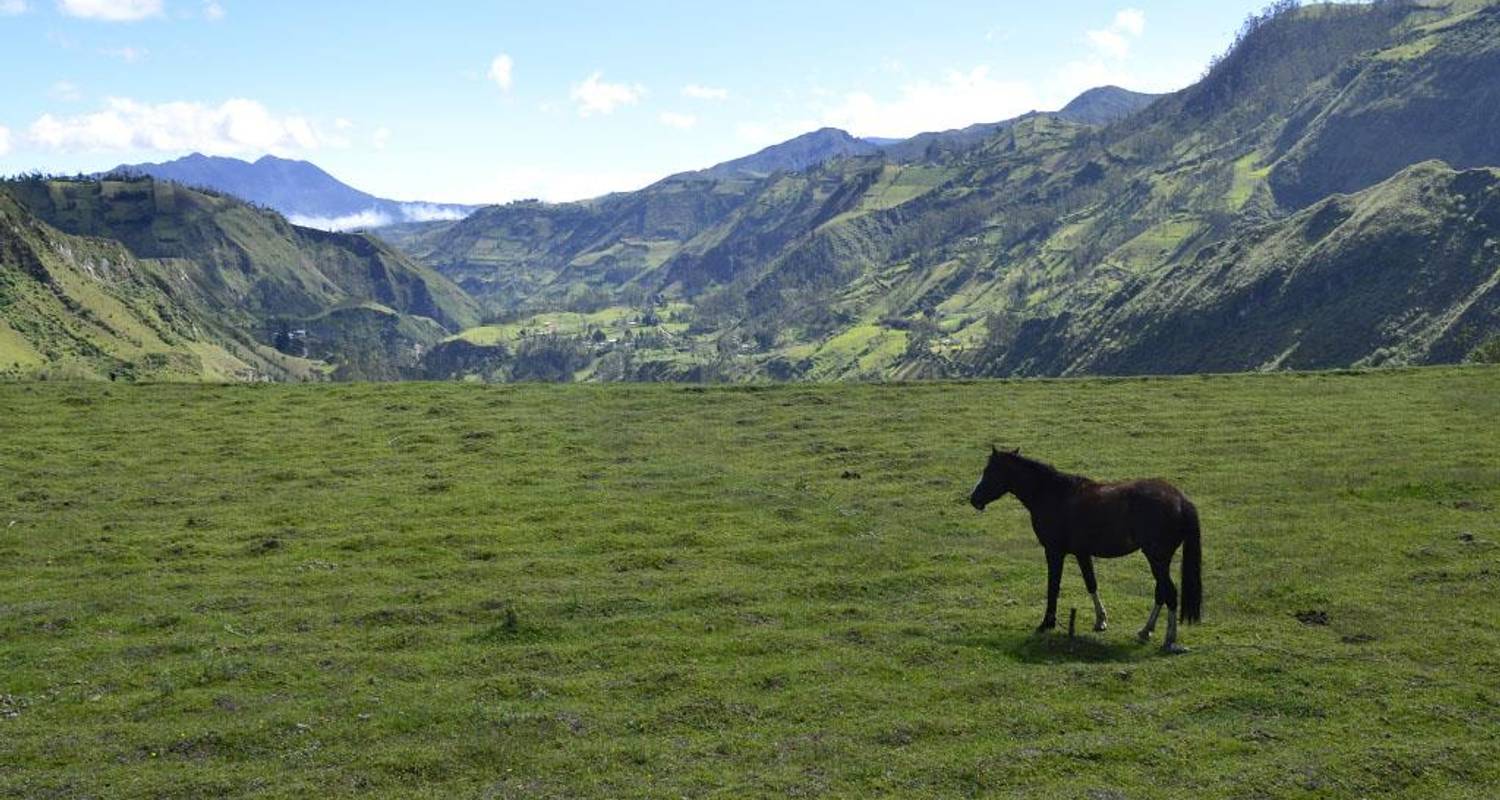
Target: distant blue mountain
302,192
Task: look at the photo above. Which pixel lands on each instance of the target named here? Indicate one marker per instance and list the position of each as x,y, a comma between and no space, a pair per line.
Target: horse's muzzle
978,506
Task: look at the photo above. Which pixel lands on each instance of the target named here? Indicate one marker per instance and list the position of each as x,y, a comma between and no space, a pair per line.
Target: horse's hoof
1173,649
1045,626
1101,626
1144,637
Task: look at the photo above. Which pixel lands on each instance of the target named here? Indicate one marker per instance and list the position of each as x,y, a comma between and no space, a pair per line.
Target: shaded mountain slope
1406,272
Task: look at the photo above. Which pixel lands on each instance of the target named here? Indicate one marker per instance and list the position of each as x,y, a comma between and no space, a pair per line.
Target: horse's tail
1192,577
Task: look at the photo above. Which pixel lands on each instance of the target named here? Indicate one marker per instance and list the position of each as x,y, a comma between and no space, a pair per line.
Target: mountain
151,279
1099,106
301,191
795,155
531,254
1406,271
1105,104
1054,244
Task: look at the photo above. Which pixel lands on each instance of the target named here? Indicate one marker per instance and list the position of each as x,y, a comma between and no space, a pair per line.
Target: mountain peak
795,154
302,191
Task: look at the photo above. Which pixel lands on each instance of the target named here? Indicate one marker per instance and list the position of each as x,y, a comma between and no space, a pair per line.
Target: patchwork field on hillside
438,590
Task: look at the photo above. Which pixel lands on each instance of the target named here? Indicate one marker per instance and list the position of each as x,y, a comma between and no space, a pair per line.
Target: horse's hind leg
1145,634
1166,595
1086,566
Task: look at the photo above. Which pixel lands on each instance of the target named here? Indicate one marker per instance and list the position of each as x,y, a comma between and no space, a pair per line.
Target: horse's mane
1046,472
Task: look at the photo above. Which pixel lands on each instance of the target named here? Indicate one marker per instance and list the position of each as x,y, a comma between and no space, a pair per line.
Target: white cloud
234,127
110,10
500,71
11,8
213,10
1115,40
958,100
698,92
381,138
428,212
130,55
374,218
4,140
673,119
1131,21
363,219
594,96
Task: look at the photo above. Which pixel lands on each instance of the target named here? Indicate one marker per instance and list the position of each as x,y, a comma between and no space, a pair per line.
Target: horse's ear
994,450
1016,451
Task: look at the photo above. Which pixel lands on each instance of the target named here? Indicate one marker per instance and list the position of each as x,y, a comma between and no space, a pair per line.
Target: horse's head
995,481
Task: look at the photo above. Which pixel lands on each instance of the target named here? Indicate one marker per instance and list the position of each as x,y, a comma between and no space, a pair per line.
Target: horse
1087,518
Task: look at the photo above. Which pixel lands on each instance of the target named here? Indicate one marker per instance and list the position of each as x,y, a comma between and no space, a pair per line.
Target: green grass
1248,174
1157,244
423,590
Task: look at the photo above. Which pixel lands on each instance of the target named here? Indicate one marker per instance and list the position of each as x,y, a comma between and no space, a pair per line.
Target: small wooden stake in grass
1072,618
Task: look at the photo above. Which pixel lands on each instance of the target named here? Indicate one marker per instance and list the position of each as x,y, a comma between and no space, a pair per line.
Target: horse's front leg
1086,566
1055,558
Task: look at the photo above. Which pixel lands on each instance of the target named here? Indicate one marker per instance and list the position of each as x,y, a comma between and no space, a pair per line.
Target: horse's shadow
1054,648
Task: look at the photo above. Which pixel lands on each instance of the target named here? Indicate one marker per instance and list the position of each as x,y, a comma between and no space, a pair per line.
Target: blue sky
491,101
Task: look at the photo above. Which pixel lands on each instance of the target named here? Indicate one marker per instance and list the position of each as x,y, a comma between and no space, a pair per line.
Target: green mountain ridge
1016,254
202,275
1325,196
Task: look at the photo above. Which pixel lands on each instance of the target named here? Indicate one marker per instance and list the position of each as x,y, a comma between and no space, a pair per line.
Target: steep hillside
301,191
73,306
530,255
1406,272
231,273
1048,246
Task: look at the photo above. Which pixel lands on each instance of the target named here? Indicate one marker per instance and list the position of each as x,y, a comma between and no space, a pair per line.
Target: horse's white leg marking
1146,632
1101,617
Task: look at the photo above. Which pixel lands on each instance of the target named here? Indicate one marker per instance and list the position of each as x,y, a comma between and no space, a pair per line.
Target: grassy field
651,591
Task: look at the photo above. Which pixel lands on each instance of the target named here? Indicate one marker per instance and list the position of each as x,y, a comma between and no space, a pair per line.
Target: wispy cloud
381,138
595,96
500,71
697,92
213,10
429,212
4,140
111,10
363,219
673,119
375,218
12,8
234,127
1115,41
66,91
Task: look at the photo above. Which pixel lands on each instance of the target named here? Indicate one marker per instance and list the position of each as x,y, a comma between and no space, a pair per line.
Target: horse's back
1116,519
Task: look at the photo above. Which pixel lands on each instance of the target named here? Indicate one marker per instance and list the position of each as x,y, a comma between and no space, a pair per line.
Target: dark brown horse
1072,514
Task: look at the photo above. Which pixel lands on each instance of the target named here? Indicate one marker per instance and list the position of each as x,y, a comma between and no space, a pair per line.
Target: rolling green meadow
526,591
